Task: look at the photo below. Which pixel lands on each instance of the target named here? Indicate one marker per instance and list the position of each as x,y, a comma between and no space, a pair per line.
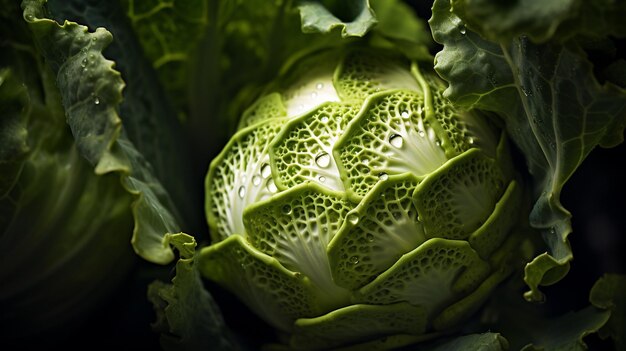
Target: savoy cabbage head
324,174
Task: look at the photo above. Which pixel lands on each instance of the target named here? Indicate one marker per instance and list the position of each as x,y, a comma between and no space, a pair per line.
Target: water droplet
266,170
322,159
353,218
396,140
366,161
242,191
322,179
470,140
96,100
30,17
421,133
369,238
94,39
271,186
383,176
313,95
286,209
325,119
463,29
83,63
354,259
319,86
405,114
437,142
256,180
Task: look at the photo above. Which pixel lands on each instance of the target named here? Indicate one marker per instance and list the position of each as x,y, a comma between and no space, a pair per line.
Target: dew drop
405,114
313,95
354,219
83,63
463,30
96,100
354,259
325,119
266,171
322,159
286,209
396,140
271,186
366,162
30,17
322,179
437,142
383,176
256,180
319,86
470,140
242,191
421,133
369,238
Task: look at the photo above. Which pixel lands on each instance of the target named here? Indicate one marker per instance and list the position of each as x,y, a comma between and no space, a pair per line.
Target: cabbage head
356,204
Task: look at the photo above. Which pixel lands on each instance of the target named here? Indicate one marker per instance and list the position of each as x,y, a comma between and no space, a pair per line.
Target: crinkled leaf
555,111
354,17
609,293
91,92
187,316
61,224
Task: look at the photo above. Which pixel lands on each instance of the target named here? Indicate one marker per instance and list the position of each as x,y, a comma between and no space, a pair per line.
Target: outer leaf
187,315
554,108
91,93
609,293
61,224
317,18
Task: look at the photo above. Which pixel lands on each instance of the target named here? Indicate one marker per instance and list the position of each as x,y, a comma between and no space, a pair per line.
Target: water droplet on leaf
271,186
242,192
322,159
266,171
396,140
256,180
353,218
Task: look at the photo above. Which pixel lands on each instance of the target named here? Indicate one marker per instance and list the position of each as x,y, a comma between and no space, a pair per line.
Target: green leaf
61,225
357,323
609,293
270,290
354,17
91,92
295,227
187,316
554,108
